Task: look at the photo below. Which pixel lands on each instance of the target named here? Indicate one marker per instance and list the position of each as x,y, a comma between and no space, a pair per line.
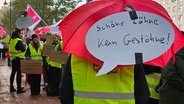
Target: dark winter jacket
172,81
20,45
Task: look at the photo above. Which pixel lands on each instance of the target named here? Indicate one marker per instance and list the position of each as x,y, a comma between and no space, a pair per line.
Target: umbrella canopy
2,31
48,29
77,24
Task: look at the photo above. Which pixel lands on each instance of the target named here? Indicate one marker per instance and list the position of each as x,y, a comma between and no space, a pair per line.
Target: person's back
82,86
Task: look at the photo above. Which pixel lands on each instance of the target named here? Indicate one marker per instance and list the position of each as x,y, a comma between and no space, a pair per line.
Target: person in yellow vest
153,75
4,47
17,52
80,85
5,43
34,52
54,71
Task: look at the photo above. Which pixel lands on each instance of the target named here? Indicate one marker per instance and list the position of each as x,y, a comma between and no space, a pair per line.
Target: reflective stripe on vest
116,87
104,95
155,76
153,80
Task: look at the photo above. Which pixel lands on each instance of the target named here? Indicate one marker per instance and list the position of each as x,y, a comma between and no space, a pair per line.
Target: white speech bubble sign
116,38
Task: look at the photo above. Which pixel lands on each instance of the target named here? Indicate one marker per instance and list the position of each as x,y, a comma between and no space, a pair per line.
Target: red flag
2,31
32,13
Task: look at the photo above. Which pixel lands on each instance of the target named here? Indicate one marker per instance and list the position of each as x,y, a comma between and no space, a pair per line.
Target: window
173,18
180,17
175,9
166,1
168,9
180,26
173,0
181,8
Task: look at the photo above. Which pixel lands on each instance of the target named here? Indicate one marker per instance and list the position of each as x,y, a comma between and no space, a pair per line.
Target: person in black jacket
16,49
171,87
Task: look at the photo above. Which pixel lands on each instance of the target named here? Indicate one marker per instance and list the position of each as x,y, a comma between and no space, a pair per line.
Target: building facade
175,9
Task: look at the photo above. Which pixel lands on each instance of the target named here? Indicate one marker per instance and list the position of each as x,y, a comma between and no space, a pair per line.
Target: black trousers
16,69
53,76
4,50
34,81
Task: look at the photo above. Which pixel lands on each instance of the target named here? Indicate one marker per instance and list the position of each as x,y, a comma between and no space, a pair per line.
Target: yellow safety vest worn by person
116,87
153,80
5,42
13,52
35,55
59,46
52,63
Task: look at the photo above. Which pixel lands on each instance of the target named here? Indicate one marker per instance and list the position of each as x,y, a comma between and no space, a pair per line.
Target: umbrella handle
132,12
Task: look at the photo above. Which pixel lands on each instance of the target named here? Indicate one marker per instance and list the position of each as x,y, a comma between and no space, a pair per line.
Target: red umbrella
2,31
41,30
48,29
78,23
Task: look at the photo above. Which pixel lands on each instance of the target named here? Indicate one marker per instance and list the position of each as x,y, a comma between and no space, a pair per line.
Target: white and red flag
32,13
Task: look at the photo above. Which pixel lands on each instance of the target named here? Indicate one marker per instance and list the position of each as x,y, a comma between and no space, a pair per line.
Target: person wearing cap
34,52
17,52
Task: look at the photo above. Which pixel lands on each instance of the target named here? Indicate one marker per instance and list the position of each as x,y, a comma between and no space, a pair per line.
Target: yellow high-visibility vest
52,63
36,55
116,87
153,80
13,52
5,42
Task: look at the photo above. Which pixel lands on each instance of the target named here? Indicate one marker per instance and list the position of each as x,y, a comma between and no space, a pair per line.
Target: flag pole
44,22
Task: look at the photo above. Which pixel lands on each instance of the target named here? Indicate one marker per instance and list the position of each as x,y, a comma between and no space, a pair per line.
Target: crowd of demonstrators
33,50
76,81
17,52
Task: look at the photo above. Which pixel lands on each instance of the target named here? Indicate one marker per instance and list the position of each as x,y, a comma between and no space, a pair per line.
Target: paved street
25,98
